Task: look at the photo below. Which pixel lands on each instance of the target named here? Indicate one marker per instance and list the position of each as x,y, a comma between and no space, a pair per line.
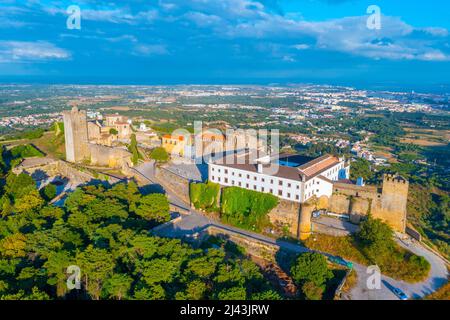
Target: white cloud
18,51
150,49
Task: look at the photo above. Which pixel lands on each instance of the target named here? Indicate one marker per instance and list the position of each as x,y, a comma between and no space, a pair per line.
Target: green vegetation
25,151
26,135
113,131
58,128
117,256
48,192
429,213
159,154
204,195
153,207
361,168
133,148
246,209
310,272
374,244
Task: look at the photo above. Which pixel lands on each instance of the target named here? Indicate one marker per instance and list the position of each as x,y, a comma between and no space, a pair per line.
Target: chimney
260,167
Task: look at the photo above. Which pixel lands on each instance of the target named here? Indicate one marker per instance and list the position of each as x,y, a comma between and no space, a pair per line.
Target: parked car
316,214
341,261
400,294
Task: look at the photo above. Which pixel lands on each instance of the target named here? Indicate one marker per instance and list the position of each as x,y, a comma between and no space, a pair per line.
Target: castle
305,185
91,142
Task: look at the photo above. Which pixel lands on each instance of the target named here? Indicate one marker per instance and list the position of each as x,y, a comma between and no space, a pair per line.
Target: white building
297,179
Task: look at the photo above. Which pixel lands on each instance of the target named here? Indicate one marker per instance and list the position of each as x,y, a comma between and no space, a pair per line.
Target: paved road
195,222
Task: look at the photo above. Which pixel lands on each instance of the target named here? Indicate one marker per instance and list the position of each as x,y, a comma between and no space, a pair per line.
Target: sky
227,41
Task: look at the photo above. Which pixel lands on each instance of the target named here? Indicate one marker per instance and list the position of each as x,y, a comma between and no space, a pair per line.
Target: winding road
195,222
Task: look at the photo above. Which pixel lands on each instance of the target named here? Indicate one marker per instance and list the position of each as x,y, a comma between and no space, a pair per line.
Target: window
317,190
232,173
318,182
298,187
289,185
280,192
212,178
254,178
218,179
212,169
262,180
280,183
271,181
240,175
254,187
262,189
246,185
248,176
218,170
240,184
226,180
288,195
271,190
297,197
232,182
226,170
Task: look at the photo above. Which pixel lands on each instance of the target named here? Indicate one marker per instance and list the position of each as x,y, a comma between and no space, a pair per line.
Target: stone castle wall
387,203
286,214
174,182
105,156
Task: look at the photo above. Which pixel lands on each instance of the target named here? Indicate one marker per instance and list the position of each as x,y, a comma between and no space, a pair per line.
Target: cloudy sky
226,41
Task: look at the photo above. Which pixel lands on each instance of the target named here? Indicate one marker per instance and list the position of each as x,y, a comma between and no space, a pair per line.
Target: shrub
312,291
159,154
25,151
246,208
204,195
49,192
311,267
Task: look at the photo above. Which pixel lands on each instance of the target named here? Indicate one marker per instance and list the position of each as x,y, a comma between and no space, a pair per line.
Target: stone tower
394,198
76,135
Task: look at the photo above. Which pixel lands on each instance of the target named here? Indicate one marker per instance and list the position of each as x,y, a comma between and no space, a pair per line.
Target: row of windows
254,187
255,178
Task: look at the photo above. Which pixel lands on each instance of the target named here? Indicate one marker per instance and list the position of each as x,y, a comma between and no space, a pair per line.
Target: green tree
376,237
49,192
118,286
154,207
13,245
113,131
19,185
159,154
133,148
29,202
96,265
311,267
361,168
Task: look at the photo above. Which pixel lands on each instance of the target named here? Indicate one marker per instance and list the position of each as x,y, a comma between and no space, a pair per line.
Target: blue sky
227,41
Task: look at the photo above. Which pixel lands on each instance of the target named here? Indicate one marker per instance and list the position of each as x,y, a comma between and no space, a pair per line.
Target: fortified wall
387,203
41,170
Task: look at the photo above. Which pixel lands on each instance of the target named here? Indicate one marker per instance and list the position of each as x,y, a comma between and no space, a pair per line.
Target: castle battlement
395,178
